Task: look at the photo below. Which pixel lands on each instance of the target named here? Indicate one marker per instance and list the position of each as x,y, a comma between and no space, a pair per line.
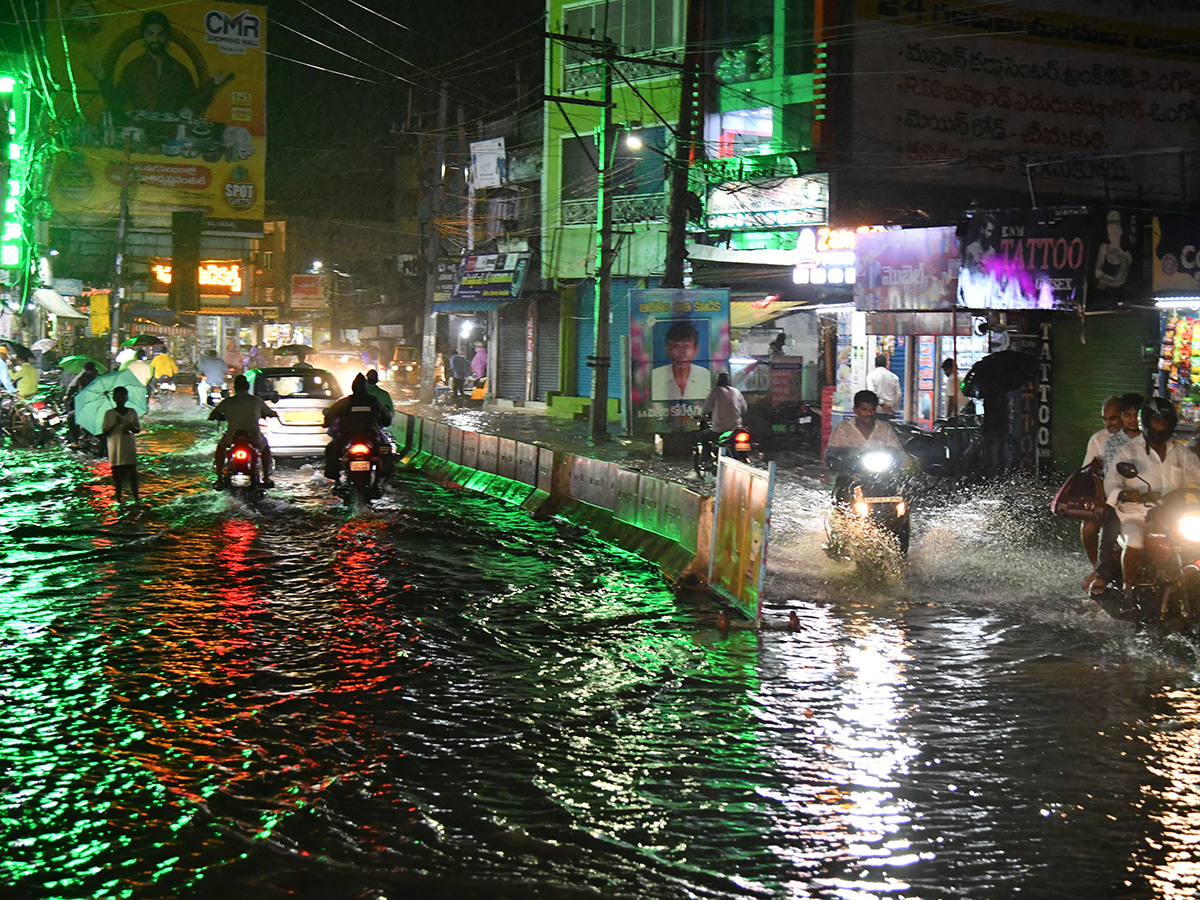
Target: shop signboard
678,342
310,291
926,381
492,277
1176,259
787,379
909,269
1116,271
192,136
1025,259
779,203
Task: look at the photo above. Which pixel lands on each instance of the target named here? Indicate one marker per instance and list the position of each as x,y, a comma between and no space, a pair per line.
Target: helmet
1159,406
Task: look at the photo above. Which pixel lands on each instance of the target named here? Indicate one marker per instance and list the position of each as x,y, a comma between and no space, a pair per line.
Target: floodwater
440,697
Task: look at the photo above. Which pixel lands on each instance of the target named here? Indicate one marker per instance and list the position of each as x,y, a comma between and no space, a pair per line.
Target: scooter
241,470
365,466
1166,593
737,443
868,498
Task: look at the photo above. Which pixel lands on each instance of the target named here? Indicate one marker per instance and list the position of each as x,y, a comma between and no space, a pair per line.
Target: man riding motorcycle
1162,466
355,414
241,411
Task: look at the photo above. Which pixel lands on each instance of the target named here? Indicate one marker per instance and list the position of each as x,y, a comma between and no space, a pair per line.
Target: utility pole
118,292
433,251
600,361
685,148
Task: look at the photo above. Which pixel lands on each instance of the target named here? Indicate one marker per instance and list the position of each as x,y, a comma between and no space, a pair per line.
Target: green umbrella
75,364
142,340
96,399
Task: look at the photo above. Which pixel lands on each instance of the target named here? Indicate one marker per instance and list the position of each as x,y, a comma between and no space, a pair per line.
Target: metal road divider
692,540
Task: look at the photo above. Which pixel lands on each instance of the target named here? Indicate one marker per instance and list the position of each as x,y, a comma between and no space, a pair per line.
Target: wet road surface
439,695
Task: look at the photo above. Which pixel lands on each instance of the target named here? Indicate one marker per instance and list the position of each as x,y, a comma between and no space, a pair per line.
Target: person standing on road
460,369
119,427
884,384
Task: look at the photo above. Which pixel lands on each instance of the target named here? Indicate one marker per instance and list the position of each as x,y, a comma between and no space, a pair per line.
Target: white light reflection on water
1172,796
842,812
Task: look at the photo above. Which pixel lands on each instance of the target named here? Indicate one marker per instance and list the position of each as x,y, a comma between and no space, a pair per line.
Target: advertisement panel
740,534
678,342
1025,259
912,269
494,276
310,291
1176,262
179,91
1091,98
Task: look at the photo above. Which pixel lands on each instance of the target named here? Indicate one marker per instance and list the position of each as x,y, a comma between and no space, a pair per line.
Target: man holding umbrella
993,379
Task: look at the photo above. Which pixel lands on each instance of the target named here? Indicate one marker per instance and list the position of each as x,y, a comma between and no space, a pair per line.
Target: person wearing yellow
25,376
163,365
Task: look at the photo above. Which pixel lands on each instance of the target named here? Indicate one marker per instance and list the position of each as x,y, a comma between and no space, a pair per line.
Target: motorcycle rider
864,432
724,409
1162,466
356,413
241,411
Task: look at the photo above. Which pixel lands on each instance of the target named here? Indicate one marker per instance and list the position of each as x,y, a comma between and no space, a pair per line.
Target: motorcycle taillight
241,455
359,449
741,440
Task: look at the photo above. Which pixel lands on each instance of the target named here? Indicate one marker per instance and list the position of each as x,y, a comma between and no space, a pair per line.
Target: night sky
341,81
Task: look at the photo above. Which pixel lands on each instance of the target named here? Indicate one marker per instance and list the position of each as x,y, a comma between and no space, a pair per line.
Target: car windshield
315,385
406,354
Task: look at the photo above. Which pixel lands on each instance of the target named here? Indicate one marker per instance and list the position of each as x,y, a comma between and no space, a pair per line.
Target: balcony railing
633,208
588,75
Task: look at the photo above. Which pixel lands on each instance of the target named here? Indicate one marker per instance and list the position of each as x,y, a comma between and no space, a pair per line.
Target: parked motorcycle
241,472
1166,593
737,443
796,426
869,499
30,423
365,467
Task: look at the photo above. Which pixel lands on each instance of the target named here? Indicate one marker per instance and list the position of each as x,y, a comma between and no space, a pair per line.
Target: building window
633,171
265,258
635,25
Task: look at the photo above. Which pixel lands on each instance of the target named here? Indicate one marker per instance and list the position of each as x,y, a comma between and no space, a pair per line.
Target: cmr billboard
167,104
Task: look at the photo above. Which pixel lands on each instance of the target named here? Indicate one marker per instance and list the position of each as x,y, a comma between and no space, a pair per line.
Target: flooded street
441,695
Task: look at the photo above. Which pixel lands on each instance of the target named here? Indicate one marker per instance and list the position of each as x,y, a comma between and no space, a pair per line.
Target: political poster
166,105
678,344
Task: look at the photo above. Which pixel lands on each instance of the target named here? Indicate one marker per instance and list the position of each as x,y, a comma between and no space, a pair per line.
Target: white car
299,396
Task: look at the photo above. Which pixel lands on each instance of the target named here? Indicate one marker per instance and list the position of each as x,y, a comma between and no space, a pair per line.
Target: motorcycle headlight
1189,528
877,461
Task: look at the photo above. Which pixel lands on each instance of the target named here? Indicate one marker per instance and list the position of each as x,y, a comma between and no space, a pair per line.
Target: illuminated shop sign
826,255
215,277
781,203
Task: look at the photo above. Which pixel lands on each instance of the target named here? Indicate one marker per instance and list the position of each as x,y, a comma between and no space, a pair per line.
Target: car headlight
877,461
1189,527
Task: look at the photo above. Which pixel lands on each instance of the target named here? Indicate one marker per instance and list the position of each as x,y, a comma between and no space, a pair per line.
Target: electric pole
433,250
601,362
685,145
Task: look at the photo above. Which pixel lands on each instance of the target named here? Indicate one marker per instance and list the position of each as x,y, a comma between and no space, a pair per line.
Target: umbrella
999,373
95,400
142,340
75,364
140,368
20,350
214,369
43,344
300,350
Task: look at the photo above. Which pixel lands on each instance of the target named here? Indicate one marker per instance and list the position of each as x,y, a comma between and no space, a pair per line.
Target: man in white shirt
884,384
1089,530
680,379
1162,466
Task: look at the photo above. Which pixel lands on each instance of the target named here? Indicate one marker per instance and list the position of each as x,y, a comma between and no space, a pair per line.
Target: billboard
1176,259
678,342
1025,259
1080,98
180,92
913,269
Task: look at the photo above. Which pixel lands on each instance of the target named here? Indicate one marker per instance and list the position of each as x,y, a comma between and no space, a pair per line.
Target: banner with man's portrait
179,92
678,343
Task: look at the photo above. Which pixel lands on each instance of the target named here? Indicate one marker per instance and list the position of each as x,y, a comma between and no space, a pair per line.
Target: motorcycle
31,423
737,443
241,471
164,392
869,496
365,466
1166,593
796,426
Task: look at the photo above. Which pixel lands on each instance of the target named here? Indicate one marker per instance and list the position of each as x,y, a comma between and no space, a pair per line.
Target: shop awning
53,303
160,320
242,311
746,314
